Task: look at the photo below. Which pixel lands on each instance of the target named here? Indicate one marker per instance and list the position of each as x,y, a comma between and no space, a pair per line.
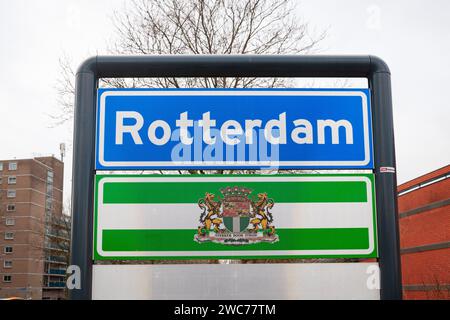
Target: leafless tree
200,27
65,89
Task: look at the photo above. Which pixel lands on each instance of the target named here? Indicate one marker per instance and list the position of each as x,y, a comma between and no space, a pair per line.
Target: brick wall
425,236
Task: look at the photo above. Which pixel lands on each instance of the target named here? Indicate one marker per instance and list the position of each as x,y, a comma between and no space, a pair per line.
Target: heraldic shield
236,219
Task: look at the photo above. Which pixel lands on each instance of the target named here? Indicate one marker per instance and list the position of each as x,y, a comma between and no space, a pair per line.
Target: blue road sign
233,128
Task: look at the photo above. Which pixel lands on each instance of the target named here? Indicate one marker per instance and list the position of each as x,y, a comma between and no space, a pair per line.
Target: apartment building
34,234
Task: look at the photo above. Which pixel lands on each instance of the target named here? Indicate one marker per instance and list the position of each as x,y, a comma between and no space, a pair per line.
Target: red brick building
424,212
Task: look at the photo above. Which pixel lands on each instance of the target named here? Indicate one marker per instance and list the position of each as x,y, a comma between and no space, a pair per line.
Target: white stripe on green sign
155,217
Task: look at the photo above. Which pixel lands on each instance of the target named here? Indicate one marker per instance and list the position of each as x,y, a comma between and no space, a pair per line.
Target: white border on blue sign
217,164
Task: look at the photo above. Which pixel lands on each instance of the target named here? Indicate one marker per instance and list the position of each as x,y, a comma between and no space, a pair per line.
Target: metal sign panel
234,216
233,128
319,281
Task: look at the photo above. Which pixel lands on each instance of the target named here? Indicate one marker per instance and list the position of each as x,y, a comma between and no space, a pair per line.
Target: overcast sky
412,36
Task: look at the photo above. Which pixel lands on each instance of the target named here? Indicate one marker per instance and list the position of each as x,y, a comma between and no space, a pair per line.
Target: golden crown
236,192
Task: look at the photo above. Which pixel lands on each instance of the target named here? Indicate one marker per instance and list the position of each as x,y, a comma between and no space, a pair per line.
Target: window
7,264
1,166
9,235
10,222
11,194
8,249
12,180
12,166
11,207
0,180
7,278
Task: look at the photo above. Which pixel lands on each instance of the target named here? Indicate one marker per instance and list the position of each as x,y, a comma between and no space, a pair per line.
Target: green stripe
183,240
191,192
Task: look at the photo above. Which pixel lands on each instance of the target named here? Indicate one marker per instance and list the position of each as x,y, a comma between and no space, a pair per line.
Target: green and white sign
234,216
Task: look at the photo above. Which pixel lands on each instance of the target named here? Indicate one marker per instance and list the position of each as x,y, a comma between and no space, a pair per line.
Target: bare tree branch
199,27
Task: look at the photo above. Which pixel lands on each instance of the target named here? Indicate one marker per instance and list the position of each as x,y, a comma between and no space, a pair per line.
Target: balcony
56,259
64,237
56,249
62,222
55,285
57,271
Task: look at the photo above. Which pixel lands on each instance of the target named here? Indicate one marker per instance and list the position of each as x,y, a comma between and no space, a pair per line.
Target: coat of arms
236,218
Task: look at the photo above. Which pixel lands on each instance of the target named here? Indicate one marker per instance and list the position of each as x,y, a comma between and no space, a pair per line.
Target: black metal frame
371,67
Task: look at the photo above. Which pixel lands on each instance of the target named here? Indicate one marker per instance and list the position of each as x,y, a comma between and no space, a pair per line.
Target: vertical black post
386,186
83,181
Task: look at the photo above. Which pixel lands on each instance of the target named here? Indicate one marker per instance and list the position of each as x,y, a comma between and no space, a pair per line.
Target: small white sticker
387,169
